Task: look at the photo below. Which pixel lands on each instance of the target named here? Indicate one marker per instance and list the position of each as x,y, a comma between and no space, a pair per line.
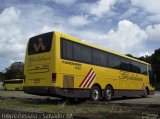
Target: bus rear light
53,77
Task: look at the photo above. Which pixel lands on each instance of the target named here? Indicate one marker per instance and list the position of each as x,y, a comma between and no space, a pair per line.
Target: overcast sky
126,26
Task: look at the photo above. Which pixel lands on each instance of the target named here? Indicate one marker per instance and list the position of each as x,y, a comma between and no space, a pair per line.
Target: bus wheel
95,93
146,91
108,93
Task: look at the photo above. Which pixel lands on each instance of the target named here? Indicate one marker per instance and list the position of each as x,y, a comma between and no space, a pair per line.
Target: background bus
60,65
13,84
1,85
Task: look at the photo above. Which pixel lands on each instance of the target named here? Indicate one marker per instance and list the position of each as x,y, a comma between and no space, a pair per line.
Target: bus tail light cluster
53,77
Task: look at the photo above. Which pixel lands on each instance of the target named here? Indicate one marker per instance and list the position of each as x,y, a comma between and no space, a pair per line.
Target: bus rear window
40,44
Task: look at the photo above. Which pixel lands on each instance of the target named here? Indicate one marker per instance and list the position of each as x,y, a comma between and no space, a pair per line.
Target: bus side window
82,53
125,64
143,68
100,58
135,67
66,49
114,61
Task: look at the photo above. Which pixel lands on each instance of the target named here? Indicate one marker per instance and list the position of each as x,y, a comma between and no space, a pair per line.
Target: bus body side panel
73,74
130,84
13,86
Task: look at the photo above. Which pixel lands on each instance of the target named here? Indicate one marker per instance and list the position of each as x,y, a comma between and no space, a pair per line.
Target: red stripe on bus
85,77
89,78
91,81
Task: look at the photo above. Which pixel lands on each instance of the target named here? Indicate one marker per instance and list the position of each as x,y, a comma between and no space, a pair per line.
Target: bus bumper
58,92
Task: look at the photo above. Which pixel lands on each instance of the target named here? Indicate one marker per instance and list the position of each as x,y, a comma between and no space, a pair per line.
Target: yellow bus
13,84
61,65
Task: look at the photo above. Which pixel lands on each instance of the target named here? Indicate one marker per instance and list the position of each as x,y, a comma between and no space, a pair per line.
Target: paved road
152,99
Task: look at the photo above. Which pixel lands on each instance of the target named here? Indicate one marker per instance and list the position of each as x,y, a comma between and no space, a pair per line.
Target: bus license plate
37,81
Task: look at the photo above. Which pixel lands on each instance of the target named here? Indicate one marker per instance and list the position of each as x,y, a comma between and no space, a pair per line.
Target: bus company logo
129,76
39,46
89,79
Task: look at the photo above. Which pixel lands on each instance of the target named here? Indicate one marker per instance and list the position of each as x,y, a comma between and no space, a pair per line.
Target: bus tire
95,93
146,93
108,93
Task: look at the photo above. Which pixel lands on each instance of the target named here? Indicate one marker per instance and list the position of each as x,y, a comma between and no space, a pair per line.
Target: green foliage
154,60
146,59
129,55
157,86
2,76
15,71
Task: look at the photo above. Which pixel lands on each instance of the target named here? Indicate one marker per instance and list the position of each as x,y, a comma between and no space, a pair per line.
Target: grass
78,110
50,107
19,101
41,104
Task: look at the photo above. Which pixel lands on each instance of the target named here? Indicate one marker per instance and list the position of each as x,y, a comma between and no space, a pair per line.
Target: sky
125,26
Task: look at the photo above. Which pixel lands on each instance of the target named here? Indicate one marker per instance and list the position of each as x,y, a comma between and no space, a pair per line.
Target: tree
129,55
155,61
2,76
15,71
146,58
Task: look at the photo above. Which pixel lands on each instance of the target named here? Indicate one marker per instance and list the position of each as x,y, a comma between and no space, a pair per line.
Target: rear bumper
58,92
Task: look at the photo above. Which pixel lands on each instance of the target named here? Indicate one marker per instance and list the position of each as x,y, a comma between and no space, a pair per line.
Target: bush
157,86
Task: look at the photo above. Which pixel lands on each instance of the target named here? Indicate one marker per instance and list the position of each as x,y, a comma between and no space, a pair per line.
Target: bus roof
13,79
104,49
